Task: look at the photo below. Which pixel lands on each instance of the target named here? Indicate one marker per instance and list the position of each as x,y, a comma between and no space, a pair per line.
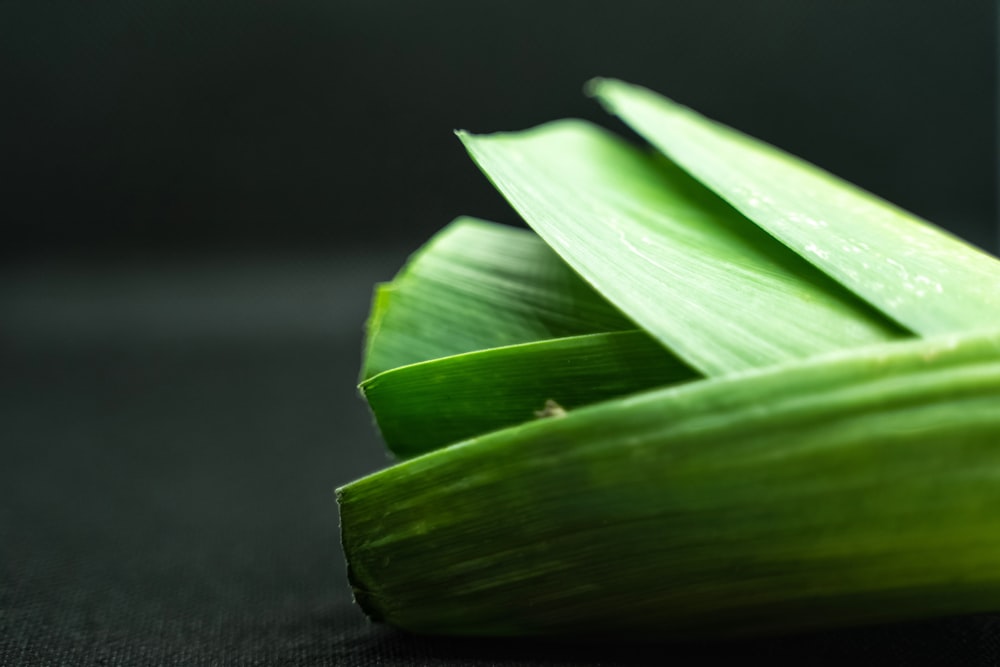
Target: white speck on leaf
551,409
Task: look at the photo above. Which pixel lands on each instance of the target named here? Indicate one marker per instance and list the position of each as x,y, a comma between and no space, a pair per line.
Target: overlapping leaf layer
717,391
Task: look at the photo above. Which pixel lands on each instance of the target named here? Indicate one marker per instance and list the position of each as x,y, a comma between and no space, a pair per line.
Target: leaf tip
599,86
467,138
592,87
595,89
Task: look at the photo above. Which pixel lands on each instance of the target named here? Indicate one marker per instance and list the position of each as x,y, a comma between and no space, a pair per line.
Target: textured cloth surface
166,494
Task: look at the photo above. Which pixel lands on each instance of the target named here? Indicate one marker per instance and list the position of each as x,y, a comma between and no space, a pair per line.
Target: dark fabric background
195,199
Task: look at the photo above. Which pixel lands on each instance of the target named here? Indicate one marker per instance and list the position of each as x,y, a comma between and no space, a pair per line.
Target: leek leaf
479,285
858,487
681,263
431,404
826,473
922,277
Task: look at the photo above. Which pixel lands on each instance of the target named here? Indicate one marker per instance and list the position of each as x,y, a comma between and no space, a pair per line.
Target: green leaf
475,334
428,405
681,263
922,277
856,488
822,477
480,285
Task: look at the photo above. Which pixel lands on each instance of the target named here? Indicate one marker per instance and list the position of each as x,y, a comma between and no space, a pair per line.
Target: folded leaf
925,279
685,266
479,285
856,488
435,403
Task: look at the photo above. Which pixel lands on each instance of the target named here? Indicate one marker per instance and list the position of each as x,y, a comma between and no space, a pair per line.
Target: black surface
171,440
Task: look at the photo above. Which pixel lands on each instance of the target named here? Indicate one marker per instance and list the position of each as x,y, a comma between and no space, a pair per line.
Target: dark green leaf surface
924,278
479,285
428,405
856,488
681,263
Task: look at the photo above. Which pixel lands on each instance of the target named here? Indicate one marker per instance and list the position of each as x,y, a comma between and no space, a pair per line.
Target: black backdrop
185,125
196,200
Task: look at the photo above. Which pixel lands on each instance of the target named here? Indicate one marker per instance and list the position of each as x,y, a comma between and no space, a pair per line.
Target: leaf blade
428,405
921,276
698,511
479,285
621,219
